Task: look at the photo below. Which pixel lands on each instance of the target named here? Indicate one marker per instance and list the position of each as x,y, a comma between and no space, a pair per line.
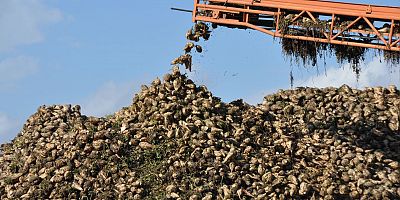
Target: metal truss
359,25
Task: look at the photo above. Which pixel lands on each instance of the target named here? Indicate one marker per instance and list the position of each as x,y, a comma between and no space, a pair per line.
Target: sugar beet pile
178,141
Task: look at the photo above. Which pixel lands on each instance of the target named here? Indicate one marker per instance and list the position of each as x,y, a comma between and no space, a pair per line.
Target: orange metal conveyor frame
348,23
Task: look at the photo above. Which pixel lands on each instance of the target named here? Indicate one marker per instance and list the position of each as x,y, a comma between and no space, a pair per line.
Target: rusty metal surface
249,14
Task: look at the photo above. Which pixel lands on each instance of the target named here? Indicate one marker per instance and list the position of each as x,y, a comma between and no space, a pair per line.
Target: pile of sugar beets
177,141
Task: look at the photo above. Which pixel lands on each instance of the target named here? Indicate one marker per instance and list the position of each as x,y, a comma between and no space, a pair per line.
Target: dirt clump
178,141
185,59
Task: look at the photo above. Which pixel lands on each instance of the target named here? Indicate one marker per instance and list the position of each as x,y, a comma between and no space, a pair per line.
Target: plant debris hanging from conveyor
391,57
305,53
194,34
351,55
301,51
309,52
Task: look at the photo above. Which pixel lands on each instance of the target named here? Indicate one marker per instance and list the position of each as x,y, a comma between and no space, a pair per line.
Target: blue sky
98,53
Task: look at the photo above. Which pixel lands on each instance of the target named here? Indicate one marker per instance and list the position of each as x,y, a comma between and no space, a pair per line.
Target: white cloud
21,20
14,69
108,99
8,128
373,74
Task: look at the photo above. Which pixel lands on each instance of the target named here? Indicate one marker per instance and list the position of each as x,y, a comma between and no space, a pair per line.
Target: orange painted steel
350,24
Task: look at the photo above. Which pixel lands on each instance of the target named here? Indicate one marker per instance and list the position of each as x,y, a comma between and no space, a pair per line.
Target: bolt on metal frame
265,16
